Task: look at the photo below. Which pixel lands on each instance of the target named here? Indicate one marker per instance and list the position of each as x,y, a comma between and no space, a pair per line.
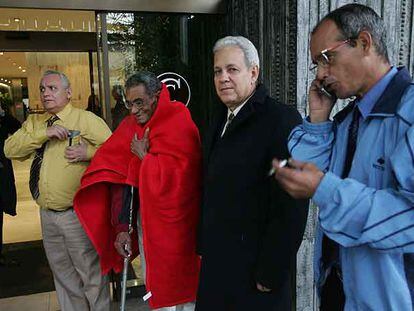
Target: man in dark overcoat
250,228
8,125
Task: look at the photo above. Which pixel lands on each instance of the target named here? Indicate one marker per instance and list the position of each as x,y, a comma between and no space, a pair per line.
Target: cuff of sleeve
121,228
326,189
317,128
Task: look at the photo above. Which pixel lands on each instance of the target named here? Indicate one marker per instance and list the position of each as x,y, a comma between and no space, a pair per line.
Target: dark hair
353,18
148,79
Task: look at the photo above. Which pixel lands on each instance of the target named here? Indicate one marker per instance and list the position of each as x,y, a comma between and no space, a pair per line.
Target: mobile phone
323,91
74,137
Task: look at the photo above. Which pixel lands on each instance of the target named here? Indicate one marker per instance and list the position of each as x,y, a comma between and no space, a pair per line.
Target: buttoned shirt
59,179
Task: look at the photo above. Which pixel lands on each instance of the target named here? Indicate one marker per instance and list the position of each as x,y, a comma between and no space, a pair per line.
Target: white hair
63,78
251,56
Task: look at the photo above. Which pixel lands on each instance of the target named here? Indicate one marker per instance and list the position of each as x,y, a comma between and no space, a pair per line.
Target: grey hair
63,78
353,18
251,56
148,79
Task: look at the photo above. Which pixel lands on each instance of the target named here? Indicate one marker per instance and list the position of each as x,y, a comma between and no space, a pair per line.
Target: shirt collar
63,114
368,101
236,111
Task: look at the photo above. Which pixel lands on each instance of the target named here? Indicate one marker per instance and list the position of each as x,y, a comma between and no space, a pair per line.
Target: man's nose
134,109
322,73
46,92
224,77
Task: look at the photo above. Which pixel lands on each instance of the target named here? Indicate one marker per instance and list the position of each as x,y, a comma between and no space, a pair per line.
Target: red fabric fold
168,180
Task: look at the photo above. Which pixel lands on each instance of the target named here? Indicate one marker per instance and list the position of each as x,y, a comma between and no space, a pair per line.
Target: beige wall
74,65
46,20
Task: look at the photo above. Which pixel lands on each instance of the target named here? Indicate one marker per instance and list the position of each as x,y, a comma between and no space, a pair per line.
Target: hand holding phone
321,102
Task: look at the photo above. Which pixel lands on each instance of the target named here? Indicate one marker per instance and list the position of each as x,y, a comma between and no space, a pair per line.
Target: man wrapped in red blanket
156,150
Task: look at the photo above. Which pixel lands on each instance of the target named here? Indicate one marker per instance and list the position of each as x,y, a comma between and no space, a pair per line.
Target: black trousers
332,296
1,231
231,287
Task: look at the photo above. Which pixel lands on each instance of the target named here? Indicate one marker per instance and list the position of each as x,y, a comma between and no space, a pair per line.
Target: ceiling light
16,19
14,64
1,53
20,67
23,70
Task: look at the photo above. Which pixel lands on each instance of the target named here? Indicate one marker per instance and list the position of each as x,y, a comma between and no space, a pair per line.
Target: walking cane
126,259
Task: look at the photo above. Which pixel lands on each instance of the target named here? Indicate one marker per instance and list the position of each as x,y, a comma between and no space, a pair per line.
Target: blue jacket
370,213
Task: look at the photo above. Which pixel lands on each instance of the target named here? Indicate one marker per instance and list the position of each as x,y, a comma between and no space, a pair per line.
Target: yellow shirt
59,179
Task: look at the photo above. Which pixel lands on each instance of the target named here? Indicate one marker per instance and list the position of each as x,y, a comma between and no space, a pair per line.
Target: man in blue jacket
360,166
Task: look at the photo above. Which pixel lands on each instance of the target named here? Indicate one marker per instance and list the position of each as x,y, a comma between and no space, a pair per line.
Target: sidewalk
48,302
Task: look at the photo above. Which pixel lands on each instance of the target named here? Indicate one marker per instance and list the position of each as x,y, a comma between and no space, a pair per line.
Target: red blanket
168,180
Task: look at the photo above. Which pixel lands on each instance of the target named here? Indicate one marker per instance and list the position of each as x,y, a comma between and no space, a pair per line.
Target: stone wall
271,26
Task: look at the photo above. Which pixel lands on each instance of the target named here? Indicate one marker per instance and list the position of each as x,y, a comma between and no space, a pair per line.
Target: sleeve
26,140
96,132
120,206
286,225
312,142
353,214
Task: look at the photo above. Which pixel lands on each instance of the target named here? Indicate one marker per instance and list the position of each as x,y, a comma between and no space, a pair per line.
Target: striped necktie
229,119
37,163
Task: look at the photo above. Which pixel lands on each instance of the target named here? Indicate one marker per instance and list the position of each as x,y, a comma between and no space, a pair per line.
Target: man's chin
227,100
141,120
49,109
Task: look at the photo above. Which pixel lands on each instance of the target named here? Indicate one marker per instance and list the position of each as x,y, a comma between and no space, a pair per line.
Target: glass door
176,47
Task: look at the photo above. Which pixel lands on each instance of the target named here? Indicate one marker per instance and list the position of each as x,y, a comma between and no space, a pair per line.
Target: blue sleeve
353,214
312,142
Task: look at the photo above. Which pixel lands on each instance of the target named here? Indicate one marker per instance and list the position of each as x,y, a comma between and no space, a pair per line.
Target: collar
236,111
63,114
367,102
388,101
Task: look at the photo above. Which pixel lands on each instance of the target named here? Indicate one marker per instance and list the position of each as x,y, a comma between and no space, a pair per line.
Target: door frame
165,6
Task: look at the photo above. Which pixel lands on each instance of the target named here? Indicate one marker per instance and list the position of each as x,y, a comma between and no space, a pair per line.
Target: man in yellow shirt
58,165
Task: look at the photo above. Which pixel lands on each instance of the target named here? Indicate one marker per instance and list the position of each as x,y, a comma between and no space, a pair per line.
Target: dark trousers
332,296
230,287
244,301
1,231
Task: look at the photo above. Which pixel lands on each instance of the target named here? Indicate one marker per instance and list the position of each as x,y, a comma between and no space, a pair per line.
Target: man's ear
255,73
69,93
365,39
158,94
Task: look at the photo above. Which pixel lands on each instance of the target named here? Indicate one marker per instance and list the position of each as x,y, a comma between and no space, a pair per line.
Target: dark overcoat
250,228
8,125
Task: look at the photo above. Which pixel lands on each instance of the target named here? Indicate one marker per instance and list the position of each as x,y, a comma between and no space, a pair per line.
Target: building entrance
97,50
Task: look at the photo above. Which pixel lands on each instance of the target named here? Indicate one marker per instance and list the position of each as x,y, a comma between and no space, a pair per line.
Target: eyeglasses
324,58
138,103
